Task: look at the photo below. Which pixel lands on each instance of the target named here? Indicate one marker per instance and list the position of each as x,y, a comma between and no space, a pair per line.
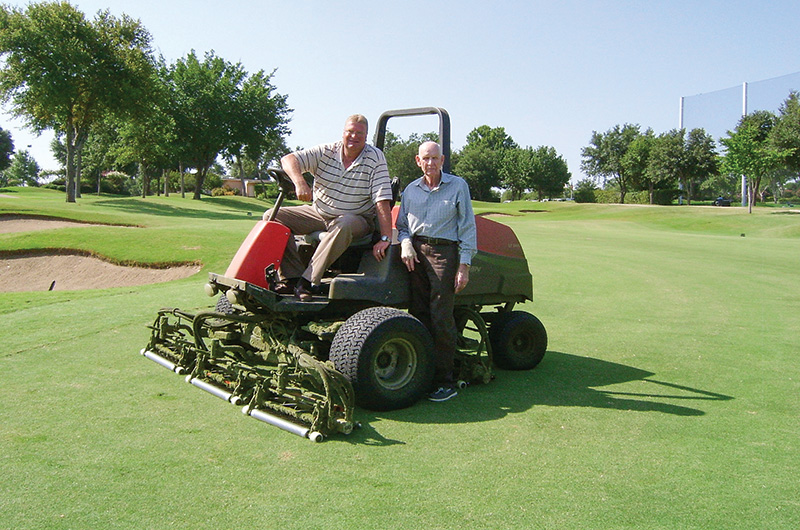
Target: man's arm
467,238
384,213
291,166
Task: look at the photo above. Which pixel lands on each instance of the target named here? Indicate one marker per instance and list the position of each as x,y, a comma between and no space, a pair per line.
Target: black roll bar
444,128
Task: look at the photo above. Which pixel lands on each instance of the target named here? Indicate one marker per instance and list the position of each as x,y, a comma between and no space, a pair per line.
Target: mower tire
386,354
519,340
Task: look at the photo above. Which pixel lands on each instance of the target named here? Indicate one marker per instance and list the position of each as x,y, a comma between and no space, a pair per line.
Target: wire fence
718,112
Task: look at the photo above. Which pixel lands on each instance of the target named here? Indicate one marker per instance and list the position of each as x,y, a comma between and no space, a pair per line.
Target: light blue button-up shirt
443,212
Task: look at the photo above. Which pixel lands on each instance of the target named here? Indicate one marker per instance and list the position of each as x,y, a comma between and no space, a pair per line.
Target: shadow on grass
561,380
142,206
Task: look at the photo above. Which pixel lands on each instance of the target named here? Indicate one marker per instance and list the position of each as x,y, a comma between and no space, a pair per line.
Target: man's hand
303,191
379,250
462,277
408,254
291,166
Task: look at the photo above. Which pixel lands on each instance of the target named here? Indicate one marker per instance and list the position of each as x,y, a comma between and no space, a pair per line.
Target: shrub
267,190
221,192
585,191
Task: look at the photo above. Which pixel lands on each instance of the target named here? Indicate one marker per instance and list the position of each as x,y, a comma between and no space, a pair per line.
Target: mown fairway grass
668,398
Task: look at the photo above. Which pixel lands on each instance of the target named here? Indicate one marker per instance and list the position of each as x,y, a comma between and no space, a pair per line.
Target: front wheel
387,356
519,340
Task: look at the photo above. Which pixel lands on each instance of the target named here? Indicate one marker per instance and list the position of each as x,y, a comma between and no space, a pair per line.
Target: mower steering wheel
282,178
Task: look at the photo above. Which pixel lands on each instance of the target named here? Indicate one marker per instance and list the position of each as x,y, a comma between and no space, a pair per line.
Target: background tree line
762,147
115,106
118,110
489,161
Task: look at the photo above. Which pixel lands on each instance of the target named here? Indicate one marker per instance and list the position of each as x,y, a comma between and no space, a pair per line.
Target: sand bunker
63,271
9,224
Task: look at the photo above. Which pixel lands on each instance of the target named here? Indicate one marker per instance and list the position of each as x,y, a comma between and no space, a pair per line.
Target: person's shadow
562,379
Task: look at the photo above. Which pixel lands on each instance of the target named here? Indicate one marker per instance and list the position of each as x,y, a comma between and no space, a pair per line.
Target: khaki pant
304,219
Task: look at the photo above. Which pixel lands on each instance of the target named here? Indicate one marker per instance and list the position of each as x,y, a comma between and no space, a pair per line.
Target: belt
434,240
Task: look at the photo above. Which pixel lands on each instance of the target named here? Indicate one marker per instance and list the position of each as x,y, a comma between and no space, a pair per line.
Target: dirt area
71,271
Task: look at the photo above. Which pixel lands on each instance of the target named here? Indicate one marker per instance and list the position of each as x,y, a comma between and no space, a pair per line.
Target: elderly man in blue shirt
436,230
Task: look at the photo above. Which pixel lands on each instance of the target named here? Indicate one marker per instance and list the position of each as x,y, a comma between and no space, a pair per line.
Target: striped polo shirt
339,190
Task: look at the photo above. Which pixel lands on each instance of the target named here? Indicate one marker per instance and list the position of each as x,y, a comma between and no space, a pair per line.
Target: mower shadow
561,380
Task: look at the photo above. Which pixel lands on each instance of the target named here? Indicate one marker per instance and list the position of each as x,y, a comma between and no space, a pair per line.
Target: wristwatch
384,238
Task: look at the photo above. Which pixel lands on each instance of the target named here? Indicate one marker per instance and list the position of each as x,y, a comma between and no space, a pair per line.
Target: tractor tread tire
358,345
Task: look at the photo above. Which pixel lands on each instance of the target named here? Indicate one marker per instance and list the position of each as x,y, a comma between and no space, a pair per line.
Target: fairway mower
303,366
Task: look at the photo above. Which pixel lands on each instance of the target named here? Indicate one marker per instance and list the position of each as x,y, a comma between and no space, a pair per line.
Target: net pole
745,196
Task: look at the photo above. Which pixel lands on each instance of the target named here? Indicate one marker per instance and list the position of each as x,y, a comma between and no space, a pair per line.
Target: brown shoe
303,290
285,286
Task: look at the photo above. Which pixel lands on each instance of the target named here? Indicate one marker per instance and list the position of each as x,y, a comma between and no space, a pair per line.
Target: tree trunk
198,183
183,183
78,167
166,182
145,181
241,175
70,169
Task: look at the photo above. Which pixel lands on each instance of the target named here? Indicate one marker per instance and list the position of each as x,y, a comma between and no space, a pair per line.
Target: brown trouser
432,297
304,219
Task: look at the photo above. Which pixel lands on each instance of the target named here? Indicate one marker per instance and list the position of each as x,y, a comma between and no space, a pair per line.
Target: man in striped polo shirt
350,198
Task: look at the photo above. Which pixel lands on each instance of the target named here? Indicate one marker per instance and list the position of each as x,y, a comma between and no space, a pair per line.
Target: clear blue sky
549,72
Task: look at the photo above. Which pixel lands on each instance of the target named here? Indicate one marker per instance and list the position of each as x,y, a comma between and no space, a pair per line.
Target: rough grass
667,399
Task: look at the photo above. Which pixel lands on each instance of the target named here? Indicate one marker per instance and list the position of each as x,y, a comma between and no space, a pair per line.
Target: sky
549,72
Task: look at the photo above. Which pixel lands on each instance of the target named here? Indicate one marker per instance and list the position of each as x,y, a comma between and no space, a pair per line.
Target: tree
480,167
401,155
23,170
217,109
636,161
785,134
258,132
552,173
776,181
540,169
494,138
585,191
147,141
702,160
64,72
603,158
751,153
519,166
678,158
6,149
481,160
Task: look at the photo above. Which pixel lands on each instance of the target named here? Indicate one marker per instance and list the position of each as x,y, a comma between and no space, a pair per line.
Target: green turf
668,398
